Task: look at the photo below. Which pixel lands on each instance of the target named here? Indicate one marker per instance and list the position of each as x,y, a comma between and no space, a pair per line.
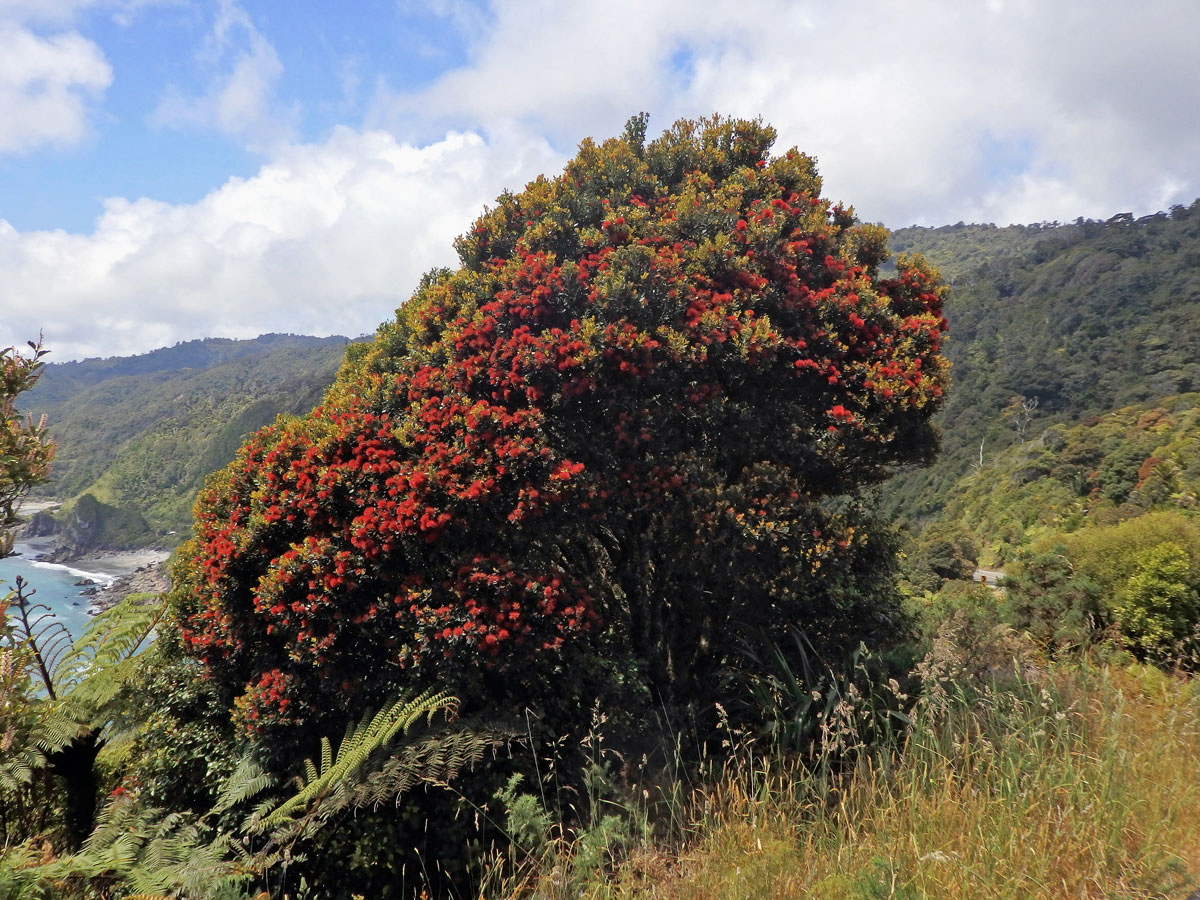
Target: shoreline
111,564
113,574
106,564
108,576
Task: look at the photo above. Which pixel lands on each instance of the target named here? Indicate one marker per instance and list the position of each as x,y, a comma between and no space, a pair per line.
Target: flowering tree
632,424
25,447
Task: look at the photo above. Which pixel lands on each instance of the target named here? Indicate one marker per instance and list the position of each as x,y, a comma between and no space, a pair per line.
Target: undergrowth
1073,781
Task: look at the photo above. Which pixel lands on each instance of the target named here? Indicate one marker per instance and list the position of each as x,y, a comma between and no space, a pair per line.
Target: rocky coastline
147,579
132,571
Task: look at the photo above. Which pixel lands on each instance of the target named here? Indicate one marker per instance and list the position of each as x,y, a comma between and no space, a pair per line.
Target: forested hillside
1053,324
1105,470
141,433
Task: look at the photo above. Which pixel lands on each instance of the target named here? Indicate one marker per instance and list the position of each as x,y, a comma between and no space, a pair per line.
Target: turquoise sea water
55,586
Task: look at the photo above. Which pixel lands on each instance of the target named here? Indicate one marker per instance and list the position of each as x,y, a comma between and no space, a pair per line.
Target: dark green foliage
1057,607
826,710
1083,318
262,835
78,709
942,552
183,751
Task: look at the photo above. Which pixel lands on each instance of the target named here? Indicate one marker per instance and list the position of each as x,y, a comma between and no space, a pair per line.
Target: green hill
1105,470
141,433
1070,320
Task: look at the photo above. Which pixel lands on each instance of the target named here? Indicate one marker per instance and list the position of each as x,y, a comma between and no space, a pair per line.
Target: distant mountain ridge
62,381
139,434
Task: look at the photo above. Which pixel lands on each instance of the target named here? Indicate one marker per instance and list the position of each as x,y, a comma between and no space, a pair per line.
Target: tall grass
1080,782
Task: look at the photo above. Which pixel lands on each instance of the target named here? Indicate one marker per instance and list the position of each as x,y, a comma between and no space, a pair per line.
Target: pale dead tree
1020,410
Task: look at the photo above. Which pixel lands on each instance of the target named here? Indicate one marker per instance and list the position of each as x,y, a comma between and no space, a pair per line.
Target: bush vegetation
1071,320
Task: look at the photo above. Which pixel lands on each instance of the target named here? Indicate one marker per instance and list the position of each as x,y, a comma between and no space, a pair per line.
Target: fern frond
57,728
326,754
435,760
36,627
153,854
17,767
111,638
360,742
91,676
247,780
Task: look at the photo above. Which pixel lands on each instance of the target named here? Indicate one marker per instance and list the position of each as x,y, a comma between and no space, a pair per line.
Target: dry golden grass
1076,784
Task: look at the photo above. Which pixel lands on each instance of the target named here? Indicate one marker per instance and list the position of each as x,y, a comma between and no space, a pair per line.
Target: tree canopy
633,426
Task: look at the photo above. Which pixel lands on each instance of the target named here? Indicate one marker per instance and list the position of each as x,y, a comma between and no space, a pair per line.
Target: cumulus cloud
240,98
326,239
905,105
927,112
47,87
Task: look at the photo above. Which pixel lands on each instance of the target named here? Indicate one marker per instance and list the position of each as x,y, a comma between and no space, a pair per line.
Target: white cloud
50,83
326,239
47,87
900,102
240,99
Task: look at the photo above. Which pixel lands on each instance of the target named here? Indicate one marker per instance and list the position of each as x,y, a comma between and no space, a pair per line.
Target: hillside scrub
1084,318
1131,462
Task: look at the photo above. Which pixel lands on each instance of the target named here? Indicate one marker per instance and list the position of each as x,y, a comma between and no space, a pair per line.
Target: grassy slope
1076,783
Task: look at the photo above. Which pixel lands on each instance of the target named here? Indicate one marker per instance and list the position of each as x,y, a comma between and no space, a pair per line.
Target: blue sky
173,169
330,58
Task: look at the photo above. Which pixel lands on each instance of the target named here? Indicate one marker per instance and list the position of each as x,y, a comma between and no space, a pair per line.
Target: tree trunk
75,764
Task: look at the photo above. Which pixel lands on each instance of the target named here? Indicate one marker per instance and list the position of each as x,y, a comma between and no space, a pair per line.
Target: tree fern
153,853
101,660
35,626
156,854
67,727
246,782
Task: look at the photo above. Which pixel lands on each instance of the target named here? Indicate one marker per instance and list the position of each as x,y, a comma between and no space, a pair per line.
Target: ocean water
55,586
